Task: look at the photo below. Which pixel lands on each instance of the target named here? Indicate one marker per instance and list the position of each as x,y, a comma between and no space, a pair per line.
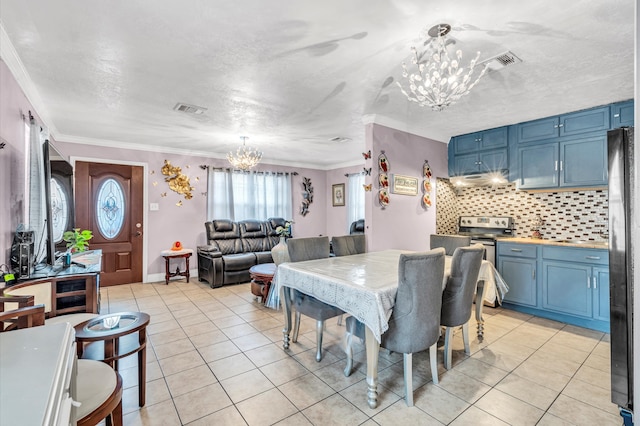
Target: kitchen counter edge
586,244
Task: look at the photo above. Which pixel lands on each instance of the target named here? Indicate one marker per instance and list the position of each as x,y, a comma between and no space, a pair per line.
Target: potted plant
77,240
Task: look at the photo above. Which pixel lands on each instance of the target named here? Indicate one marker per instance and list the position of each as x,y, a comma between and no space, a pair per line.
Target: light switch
154,207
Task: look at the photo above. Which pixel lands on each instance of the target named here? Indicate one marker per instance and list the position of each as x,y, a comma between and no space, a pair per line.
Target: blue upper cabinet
583,162
538,166
479,152
622,114
575,123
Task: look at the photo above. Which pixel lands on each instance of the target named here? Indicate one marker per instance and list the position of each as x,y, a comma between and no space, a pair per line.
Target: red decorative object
177,246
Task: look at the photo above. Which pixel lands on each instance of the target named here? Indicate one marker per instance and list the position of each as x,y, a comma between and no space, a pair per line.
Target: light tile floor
216,357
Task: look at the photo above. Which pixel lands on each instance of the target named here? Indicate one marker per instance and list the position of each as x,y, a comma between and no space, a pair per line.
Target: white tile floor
216,357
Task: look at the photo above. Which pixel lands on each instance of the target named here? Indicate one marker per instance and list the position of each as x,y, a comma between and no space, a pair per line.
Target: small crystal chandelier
244,158
439,81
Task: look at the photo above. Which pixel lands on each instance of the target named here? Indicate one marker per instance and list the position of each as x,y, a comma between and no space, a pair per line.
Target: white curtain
237,195
355,198
37,201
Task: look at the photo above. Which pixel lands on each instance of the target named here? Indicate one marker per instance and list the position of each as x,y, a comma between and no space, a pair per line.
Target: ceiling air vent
189,109
502,60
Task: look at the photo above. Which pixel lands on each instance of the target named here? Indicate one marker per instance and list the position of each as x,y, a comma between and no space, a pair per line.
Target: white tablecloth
363,285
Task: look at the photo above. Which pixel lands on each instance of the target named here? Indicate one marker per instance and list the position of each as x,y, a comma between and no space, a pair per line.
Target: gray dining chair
348,245
414,324
449,242
457,297
301,249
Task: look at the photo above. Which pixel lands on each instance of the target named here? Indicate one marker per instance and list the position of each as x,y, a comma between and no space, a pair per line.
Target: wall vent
189,109
340,139
502,60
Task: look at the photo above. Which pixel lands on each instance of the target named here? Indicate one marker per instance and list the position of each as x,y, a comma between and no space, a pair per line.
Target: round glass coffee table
111,337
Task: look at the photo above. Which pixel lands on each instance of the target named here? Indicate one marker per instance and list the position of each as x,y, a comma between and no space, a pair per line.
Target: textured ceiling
293,74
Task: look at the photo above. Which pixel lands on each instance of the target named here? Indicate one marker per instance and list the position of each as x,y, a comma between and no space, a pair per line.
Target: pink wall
13,106
404,223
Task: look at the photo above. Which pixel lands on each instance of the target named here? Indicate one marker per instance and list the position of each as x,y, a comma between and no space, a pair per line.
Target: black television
58,182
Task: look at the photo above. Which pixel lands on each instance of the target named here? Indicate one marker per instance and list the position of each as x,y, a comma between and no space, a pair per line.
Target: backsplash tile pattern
578,215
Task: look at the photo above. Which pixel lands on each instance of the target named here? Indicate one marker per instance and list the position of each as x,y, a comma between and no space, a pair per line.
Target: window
355,199
110,208
237,195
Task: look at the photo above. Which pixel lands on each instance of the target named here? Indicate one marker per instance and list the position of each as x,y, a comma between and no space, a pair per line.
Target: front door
109,202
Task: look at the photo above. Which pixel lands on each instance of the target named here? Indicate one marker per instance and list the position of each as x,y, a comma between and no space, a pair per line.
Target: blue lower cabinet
520,276
566,288
600,285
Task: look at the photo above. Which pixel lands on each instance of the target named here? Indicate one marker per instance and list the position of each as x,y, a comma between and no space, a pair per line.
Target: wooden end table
261,276
173,254
110,337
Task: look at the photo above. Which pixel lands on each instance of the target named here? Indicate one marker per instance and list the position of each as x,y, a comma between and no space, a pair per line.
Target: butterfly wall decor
368,187
367,172
366,155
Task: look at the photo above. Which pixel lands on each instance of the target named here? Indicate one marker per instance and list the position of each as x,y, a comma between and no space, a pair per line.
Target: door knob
138,233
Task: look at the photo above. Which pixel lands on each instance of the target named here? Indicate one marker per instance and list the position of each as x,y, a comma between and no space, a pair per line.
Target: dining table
364,286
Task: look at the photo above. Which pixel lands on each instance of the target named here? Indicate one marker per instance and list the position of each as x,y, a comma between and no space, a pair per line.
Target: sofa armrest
210,250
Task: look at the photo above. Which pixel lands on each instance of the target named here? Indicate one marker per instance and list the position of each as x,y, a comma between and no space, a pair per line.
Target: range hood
498,178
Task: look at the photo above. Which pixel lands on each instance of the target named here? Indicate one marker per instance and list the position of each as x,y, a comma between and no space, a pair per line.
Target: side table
173,254
261,276
109,338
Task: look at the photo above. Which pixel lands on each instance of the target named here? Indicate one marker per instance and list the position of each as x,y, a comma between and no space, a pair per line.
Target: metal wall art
307,196
383,180
177,181
426,185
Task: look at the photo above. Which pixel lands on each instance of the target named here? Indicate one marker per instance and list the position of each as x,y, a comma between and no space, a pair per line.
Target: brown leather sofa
234,247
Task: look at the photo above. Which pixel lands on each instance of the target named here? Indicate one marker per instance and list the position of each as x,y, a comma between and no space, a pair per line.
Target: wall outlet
154,207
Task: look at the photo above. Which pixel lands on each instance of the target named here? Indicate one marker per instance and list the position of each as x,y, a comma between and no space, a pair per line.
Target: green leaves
77,240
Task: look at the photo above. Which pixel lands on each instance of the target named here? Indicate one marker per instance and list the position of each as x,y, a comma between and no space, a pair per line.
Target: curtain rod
353,174
228,169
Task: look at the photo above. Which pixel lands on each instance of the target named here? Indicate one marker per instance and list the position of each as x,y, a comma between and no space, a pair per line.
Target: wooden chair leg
296,327
448,337
319,330
465,338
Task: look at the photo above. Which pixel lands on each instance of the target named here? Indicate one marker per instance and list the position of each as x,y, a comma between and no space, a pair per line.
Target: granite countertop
604,245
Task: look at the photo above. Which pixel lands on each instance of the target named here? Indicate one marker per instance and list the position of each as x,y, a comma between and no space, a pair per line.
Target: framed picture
337,192
405,185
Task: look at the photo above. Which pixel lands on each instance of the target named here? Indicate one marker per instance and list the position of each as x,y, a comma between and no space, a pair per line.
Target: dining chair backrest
415,321
449,242
457,297
310,248
348,245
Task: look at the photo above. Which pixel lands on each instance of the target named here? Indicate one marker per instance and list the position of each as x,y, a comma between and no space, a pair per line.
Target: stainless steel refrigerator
621,200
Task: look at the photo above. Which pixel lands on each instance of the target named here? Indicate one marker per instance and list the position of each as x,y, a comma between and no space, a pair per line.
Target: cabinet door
600,286
566,288
622,114
537,166
466,164
590,120
520,276
494,138
494,160
583,162
466,143
545,128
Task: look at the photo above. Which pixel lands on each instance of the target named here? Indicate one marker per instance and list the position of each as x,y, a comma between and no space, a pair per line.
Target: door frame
145,200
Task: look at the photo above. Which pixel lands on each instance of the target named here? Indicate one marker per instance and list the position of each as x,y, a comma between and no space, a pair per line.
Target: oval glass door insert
110,208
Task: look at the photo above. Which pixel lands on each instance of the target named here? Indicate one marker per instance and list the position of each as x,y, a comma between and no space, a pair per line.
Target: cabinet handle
592,257
533,274
588,282
561,125
516,250
555,126
595,282
560,165
555,168
616,115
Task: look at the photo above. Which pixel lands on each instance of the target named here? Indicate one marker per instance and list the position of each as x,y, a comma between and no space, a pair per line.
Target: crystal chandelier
244,158
439,80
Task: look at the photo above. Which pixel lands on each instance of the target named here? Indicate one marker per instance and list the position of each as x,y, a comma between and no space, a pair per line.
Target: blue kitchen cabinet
480,141
600,285
487,161
577,163
566,288
545,129
538,166
583,162
517,266
622,114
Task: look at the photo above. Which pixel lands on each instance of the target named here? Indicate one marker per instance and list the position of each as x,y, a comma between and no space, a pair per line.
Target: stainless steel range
485,230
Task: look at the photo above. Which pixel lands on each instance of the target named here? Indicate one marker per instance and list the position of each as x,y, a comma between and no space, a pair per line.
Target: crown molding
392,123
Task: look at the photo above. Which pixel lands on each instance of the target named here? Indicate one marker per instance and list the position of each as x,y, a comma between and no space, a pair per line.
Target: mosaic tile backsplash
578,215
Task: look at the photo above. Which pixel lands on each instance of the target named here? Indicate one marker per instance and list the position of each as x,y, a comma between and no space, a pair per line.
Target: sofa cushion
239,262
264,257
